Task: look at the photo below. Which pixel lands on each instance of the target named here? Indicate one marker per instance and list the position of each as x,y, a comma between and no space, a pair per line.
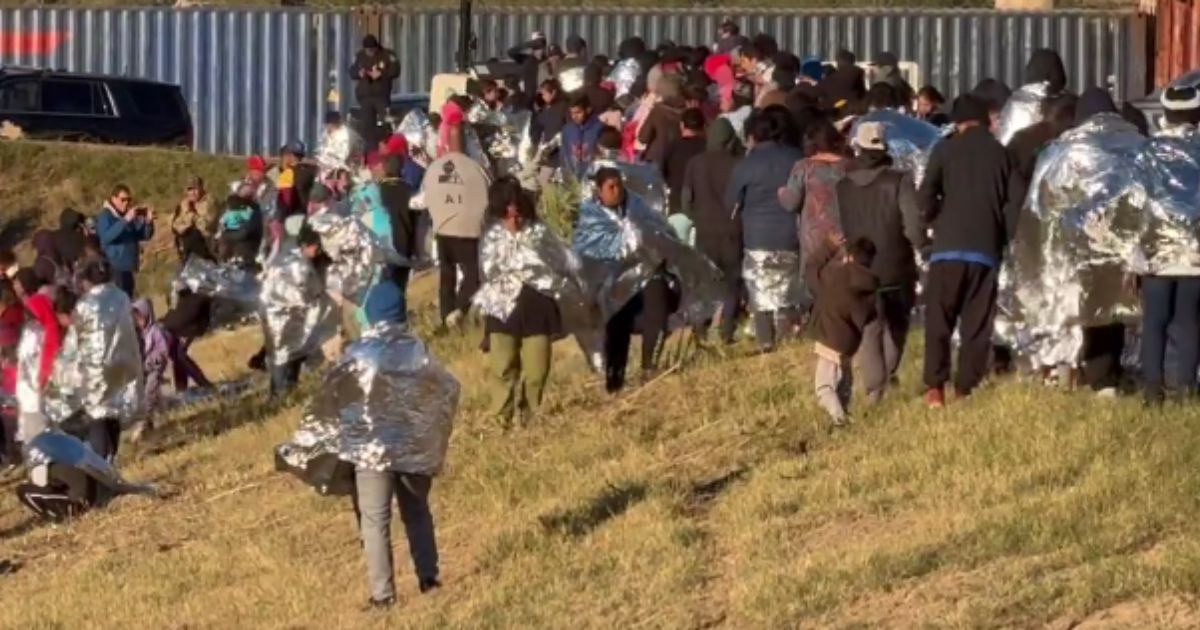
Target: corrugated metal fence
255,79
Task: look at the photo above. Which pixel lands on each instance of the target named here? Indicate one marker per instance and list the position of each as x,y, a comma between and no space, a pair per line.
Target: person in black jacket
550,120
189,320
395,195
879,203
846,83
70,237
375,70
531,55
965,197
887,70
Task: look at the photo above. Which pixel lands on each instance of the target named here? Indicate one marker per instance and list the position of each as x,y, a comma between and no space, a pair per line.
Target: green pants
523,366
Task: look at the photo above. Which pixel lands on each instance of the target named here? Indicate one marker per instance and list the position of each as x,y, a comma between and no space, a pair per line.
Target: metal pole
464,36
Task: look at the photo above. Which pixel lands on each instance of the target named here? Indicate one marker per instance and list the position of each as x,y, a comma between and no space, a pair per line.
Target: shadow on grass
18,226
703,494
24,527
582,520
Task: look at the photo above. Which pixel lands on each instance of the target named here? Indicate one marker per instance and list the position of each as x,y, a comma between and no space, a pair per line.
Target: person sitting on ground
241,231
845,290
156,355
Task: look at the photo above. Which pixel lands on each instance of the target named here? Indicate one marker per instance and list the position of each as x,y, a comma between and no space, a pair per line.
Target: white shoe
454,319
1107,393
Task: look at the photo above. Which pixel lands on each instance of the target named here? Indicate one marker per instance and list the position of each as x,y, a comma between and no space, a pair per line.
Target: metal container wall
257,78
253,79
955,49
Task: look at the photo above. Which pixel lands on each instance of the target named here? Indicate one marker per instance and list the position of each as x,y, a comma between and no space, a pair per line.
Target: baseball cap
396,144
256,163
870,136
295,148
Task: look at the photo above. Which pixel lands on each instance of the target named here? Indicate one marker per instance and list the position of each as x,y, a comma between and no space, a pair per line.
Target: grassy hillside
711,497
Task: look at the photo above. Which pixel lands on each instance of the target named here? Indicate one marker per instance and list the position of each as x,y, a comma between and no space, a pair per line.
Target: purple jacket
155,352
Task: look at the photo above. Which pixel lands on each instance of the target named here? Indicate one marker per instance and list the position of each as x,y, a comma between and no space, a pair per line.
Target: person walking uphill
879,203
771,266
964,196
374,71
122,227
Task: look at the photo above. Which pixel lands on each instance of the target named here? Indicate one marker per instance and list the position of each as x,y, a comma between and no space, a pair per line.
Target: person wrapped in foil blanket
339,145
356,255
1045,76
909,140
1068,264
67,478
297,313
98,375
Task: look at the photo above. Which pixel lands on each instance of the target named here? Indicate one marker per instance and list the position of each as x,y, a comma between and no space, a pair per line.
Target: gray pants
878,357
373,503
834,381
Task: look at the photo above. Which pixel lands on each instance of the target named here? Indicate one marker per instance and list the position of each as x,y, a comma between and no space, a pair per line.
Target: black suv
55,105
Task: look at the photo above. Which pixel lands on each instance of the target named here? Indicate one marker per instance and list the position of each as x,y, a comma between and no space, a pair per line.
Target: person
929,106
549,121
650,306
1171,284
193,212
718,231
156,355
8,264
374,71
286,363
579,138
395,223
887,71
69,237
576,54
729,37
187,321
339,146
12,314
661,126
38,300
994,95
879,203
1058,115
964,197
771,260
48,265
680,153
846,84
458,255
122,227
811,187
240,234
845,290
66,479
520,340
599,97
530,55
107,359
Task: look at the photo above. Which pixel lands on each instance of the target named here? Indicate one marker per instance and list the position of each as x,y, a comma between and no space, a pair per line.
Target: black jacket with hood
1045,66
389,67
878,202
69,237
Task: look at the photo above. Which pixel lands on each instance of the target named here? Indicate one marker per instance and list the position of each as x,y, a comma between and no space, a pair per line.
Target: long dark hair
822,137
506,191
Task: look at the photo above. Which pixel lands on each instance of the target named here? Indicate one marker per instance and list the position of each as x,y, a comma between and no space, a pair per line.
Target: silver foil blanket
571,79
1067,265
773,280
30,419
297,314
99,369
1167,188
620,254
53,447
1023,109
642,180
421,136
624,75
532,257
386,405
205,277
357,254
336,148
909,140
500,132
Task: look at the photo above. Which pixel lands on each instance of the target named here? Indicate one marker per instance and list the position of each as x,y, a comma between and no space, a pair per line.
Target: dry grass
713,497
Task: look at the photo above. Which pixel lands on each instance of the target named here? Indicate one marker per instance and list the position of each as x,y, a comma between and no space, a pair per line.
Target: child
845,289
156,354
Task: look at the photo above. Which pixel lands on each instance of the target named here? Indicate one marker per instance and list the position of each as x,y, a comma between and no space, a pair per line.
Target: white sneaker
1107,393
454,319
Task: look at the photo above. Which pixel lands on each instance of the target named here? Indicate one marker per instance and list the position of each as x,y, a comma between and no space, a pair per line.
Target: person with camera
122,227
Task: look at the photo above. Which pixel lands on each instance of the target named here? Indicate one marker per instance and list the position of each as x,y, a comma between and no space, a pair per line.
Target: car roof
9,71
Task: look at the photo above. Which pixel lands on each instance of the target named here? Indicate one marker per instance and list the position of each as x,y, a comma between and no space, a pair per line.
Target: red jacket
42,309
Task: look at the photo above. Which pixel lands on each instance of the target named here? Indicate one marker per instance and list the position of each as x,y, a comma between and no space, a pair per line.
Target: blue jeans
125,281
1170,302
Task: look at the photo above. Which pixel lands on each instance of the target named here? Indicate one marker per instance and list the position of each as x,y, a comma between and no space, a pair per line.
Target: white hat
870,135
1181,98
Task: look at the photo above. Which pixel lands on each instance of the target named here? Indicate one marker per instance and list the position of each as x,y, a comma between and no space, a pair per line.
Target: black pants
371,111
125,281
964,295
1102,348
652,307
52,502
725,251
455,253
104,436
285,378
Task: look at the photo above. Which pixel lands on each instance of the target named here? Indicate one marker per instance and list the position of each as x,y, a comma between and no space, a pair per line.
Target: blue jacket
121,240
579,146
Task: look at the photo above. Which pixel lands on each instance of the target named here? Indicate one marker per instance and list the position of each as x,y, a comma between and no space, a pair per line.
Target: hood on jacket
867,167
1045,66
1093,101
69,219
721,137
144,308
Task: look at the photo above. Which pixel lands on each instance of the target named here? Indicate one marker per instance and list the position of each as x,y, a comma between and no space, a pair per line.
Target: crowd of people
780,200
